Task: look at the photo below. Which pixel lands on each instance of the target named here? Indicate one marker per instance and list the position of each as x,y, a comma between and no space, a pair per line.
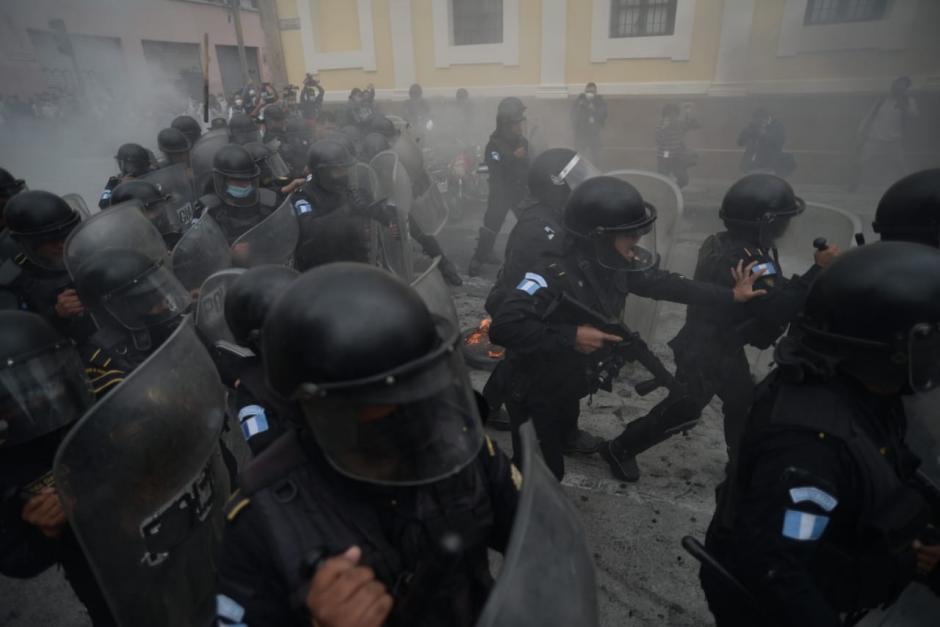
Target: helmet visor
924,357
46,251
277,166
427,426
150,299
629,248
42,394
575,172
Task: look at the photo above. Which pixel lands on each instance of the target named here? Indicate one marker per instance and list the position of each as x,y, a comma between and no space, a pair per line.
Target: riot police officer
537,236
709,349
43,391
909,210
242,129
553,344
275,174
394,491
821,515
239,202
188,126
297,140
507,158
174,145
133,160
136,302
36,279
159,207
334,218
275,124
247,302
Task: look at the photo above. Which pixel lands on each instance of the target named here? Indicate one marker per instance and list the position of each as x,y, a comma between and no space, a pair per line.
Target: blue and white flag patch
532,283
301,207
253,420
549,233
802,526
768,267
814,495
106,194
228,610
494,155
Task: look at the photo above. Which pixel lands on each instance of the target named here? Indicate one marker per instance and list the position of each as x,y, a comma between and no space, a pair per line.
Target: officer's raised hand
744,280
45,512
589,339
826,256
68,305
345,594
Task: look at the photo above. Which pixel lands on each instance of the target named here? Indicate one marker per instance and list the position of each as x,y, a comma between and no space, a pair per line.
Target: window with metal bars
838,11
642,18
477,22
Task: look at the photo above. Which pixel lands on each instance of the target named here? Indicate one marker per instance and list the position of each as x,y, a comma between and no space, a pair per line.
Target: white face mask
589,95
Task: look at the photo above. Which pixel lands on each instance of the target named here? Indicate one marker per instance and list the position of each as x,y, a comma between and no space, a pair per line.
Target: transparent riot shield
201,251
271,241
436,294
547,578
430,211
123,225
175,181
363,177
201,156
143,484
77,203
394,245
210,308
641,314
795,250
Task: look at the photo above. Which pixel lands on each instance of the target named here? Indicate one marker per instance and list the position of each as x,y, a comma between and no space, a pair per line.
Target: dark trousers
676,166
554,416
729,378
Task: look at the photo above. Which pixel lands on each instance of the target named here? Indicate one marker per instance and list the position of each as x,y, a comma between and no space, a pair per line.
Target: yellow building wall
706,30
338,27
474,75
291,43
923,57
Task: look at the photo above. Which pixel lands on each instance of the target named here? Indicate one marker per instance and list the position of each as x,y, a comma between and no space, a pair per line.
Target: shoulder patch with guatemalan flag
253,420
494,155
532,283
229,611
802,526
302,207
811,494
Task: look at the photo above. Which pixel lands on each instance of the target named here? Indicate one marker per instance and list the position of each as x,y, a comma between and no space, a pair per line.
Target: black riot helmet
235,176
386,396
415,91
545,182
133,159
156,204
218,123
242,129
609,216
138,292
759,208
910,210
328,161
379,123
373,144
172,142
274,113
39,222
188,126
269,162
42,379
875,313
249,298
510,111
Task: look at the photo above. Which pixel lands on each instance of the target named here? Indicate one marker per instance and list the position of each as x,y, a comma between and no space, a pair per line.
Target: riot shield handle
820,243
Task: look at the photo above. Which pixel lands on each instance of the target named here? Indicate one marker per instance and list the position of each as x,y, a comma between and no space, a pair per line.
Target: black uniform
262,568
104,201
588,117
763,142
333,225
709,349
550,376
236,221
507,176
820,513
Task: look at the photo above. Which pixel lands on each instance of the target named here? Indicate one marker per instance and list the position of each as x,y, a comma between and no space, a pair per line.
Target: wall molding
554,46
447,54
891,33
314,60
403,48
677,46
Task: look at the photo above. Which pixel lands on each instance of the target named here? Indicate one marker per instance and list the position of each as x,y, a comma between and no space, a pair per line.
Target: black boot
622,464
450,272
